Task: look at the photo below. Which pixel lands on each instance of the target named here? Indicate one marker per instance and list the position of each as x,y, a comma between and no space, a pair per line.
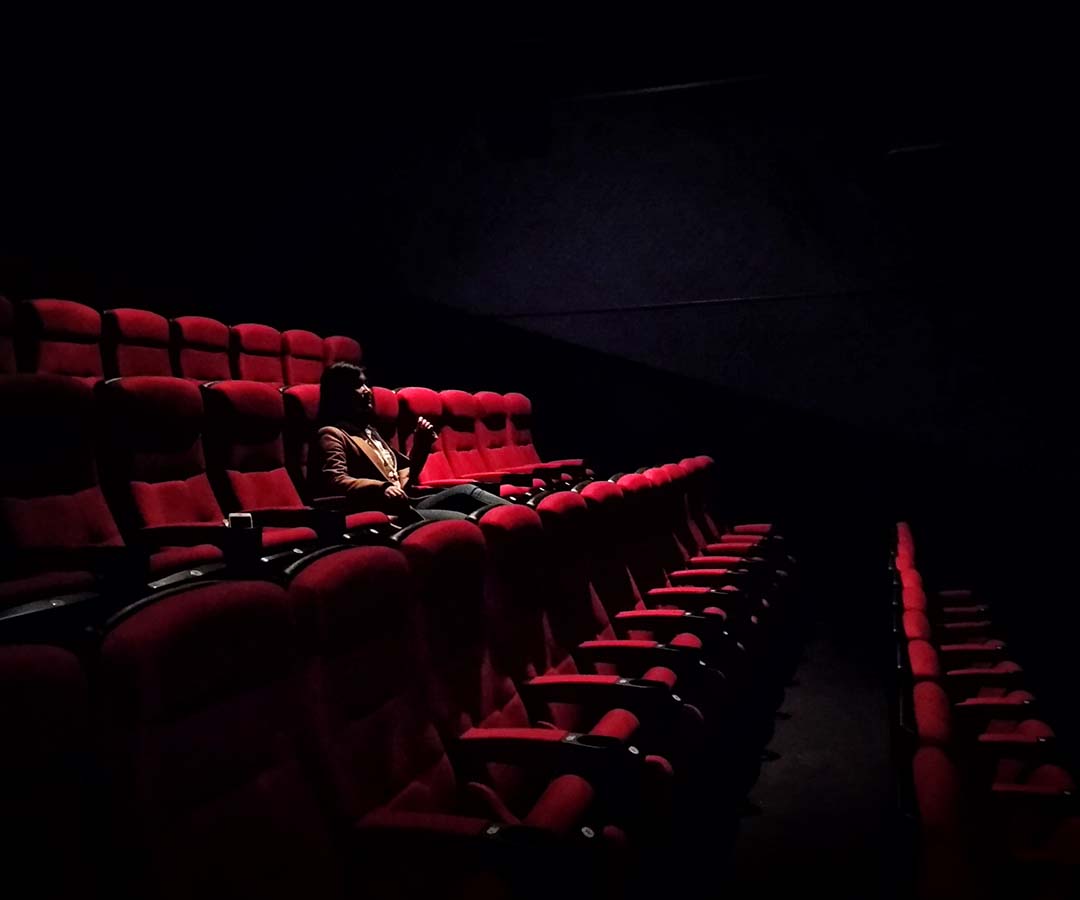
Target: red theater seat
135,342
7,336
301,404
56,530
43,700
379,747
200,349
202,720
246,444
301,357
342,349
255,354
59,337
520,439
414,402
477,703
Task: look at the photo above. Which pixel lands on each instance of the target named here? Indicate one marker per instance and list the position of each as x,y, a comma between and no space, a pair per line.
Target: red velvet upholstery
43,697
7,336
301,357
342,349
458,436
246,450
135,342
200,349
202,721
255,354
387,414
468,680
414,402
301,403
154,469
519,430
59,337
50,500
493,432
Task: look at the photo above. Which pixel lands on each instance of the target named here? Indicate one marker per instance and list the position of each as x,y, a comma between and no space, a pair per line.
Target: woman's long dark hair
336,389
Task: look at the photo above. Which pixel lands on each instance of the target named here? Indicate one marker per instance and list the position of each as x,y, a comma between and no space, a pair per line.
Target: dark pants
456,502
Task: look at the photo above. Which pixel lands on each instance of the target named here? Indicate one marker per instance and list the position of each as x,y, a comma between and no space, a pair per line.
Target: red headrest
63,318
924,660
137,325
916,625
933,714
506,519
142,399
342,349
301,402
305,344
386,404
517,404
490,404
459,404
245,400
601,493
657,476
201,332
634,483
419,401
258,339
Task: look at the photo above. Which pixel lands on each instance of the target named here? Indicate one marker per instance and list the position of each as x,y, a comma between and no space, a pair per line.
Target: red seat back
610,536
458,435
155,467
301,357
519,430
201,721
493,431
342,349
255,354
365,685
414,402
50,497
387,413
301,403
135,342
245,446
200,349
59,337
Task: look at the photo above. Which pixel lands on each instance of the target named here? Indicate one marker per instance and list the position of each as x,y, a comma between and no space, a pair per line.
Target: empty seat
493,431
458,434
200,349
376,741
59,337
414,402
154,470
201,722
43,702
519,434
7,336
301,357
55,526
301,404
135,342
255,353
342,349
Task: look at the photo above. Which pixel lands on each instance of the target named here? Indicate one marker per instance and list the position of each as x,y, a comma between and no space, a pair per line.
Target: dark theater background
846,278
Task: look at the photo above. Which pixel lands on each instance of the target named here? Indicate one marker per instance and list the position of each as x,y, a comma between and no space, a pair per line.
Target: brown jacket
348,464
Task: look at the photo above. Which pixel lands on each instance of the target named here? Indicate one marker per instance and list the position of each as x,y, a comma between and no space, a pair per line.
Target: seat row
995,809
61,337
535,700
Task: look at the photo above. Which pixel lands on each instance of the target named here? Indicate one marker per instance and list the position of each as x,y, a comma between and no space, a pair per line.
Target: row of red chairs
552,696
61,337
135,477
996,810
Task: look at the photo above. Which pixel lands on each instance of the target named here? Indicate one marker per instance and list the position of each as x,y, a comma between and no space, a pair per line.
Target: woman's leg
465,498
436,515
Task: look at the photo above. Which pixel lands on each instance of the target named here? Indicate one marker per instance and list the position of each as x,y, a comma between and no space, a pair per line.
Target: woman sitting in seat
351,458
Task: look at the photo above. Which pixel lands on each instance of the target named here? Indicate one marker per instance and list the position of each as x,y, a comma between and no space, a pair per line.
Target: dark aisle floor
824,824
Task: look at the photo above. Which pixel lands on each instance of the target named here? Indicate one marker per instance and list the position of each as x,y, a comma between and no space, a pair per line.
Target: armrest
962,613
155,537
335,503
987,677
501,476
966,627
326,520
641,696
704,577
983,709
1025,744
696,596
1048,798
973,648
444,482
733,565
671,621
632,657
589,755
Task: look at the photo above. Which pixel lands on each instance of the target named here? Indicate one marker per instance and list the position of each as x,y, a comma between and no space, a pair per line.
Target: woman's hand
425,430
395,492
